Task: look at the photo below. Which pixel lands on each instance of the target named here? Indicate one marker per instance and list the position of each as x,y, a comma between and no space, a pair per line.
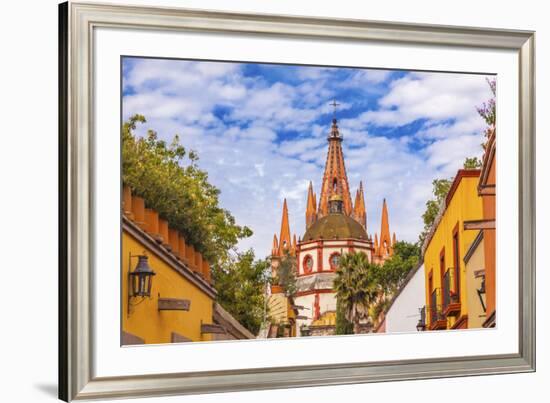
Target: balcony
451,301
438,320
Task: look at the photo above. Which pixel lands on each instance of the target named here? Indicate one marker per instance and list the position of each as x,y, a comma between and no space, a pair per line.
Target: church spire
359,210
275,247
311,209
284,237
385,240
335,180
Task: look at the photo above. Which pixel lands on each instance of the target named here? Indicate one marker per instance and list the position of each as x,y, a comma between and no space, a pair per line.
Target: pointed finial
275,246
284,237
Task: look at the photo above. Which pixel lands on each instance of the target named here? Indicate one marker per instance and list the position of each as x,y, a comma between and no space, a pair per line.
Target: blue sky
260,132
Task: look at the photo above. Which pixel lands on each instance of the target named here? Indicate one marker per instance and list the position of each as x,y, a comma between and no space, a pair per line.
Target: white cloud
245,157
437,97
364,77
448,154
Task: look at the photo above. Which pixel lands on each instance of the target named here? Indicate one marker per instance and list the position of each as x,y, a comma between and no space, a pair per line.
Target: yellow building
283,314
444,251
179,305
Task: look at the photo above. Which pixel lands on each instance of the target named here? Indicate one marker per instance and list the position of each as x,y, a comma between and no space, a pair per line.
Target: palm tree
356,287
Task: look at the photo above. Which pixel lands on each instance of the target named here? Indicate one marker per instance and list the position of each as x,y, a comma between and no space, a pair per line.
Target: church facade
335,225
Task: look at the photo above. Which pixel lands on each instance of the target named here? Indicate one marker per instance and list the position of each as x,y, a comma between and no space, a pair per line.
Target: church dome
335,226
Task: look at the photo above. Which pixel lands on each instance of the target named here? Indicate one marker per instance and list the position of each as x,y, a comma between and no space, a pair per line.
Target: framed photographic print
260,201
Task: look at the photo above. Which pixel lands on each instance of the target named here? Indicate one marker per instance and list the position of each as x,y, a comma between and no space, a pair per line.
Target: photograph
264,200
274,201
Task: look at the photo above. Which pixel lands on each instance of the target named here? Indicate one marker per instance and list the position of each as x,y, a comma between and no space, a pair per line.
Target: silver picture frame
77,22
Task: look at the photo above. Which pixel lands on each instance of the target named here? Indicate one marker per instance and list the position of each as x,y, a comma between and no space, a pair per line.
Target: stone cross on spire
334,104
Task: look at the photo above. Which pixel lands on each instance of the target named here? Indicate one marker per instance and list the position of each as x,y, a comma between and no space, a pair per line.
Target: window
308,264
334,261
457,265
432,301
443,279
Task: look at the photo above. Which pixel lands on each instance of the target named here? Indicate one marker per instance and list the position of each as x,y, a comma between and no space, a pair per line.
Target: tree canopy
168,178
487,110
286,274
241,281
472,163
395,269
440,189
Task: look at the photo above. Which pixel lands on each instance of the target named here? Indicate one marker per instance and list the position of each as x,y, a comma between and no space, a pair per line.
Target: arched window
335,184
334,261
307,264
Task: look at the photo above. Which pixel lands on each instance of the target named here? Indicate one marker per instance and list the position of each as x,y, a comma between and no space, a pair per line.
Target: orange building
487,227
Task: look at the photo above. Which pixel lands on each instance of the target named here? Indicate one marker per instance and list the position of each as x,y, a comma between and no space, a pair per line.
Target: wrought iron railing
421,325
450,295
435,309
446,289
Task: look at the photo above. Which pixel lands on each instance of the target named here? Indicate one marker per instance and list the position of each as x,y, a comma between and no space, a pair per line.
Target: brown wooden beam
479,224
130,339
211,328
173,304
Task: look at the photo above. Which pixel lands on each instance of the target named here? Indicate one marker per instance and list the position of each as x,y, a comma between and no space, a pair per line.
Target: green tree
167,176
440,189
472,163
343,326
395,269
286,274
240,281
392,273
356,287
487,110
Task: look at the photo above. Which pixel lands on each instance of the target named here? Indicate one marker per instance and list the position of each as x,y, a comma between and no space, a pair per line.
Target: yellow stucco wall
476,315
278,308
464,205
144,319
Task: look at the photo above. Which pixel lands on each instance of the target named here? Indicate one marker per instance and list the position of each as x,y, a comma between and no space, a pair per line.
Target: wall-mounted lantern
421,325
140,281
481,292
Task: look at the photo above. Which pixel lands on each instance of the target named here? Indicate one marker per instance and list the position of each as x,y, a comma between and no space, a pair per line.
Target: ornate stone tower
334,226
335,179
